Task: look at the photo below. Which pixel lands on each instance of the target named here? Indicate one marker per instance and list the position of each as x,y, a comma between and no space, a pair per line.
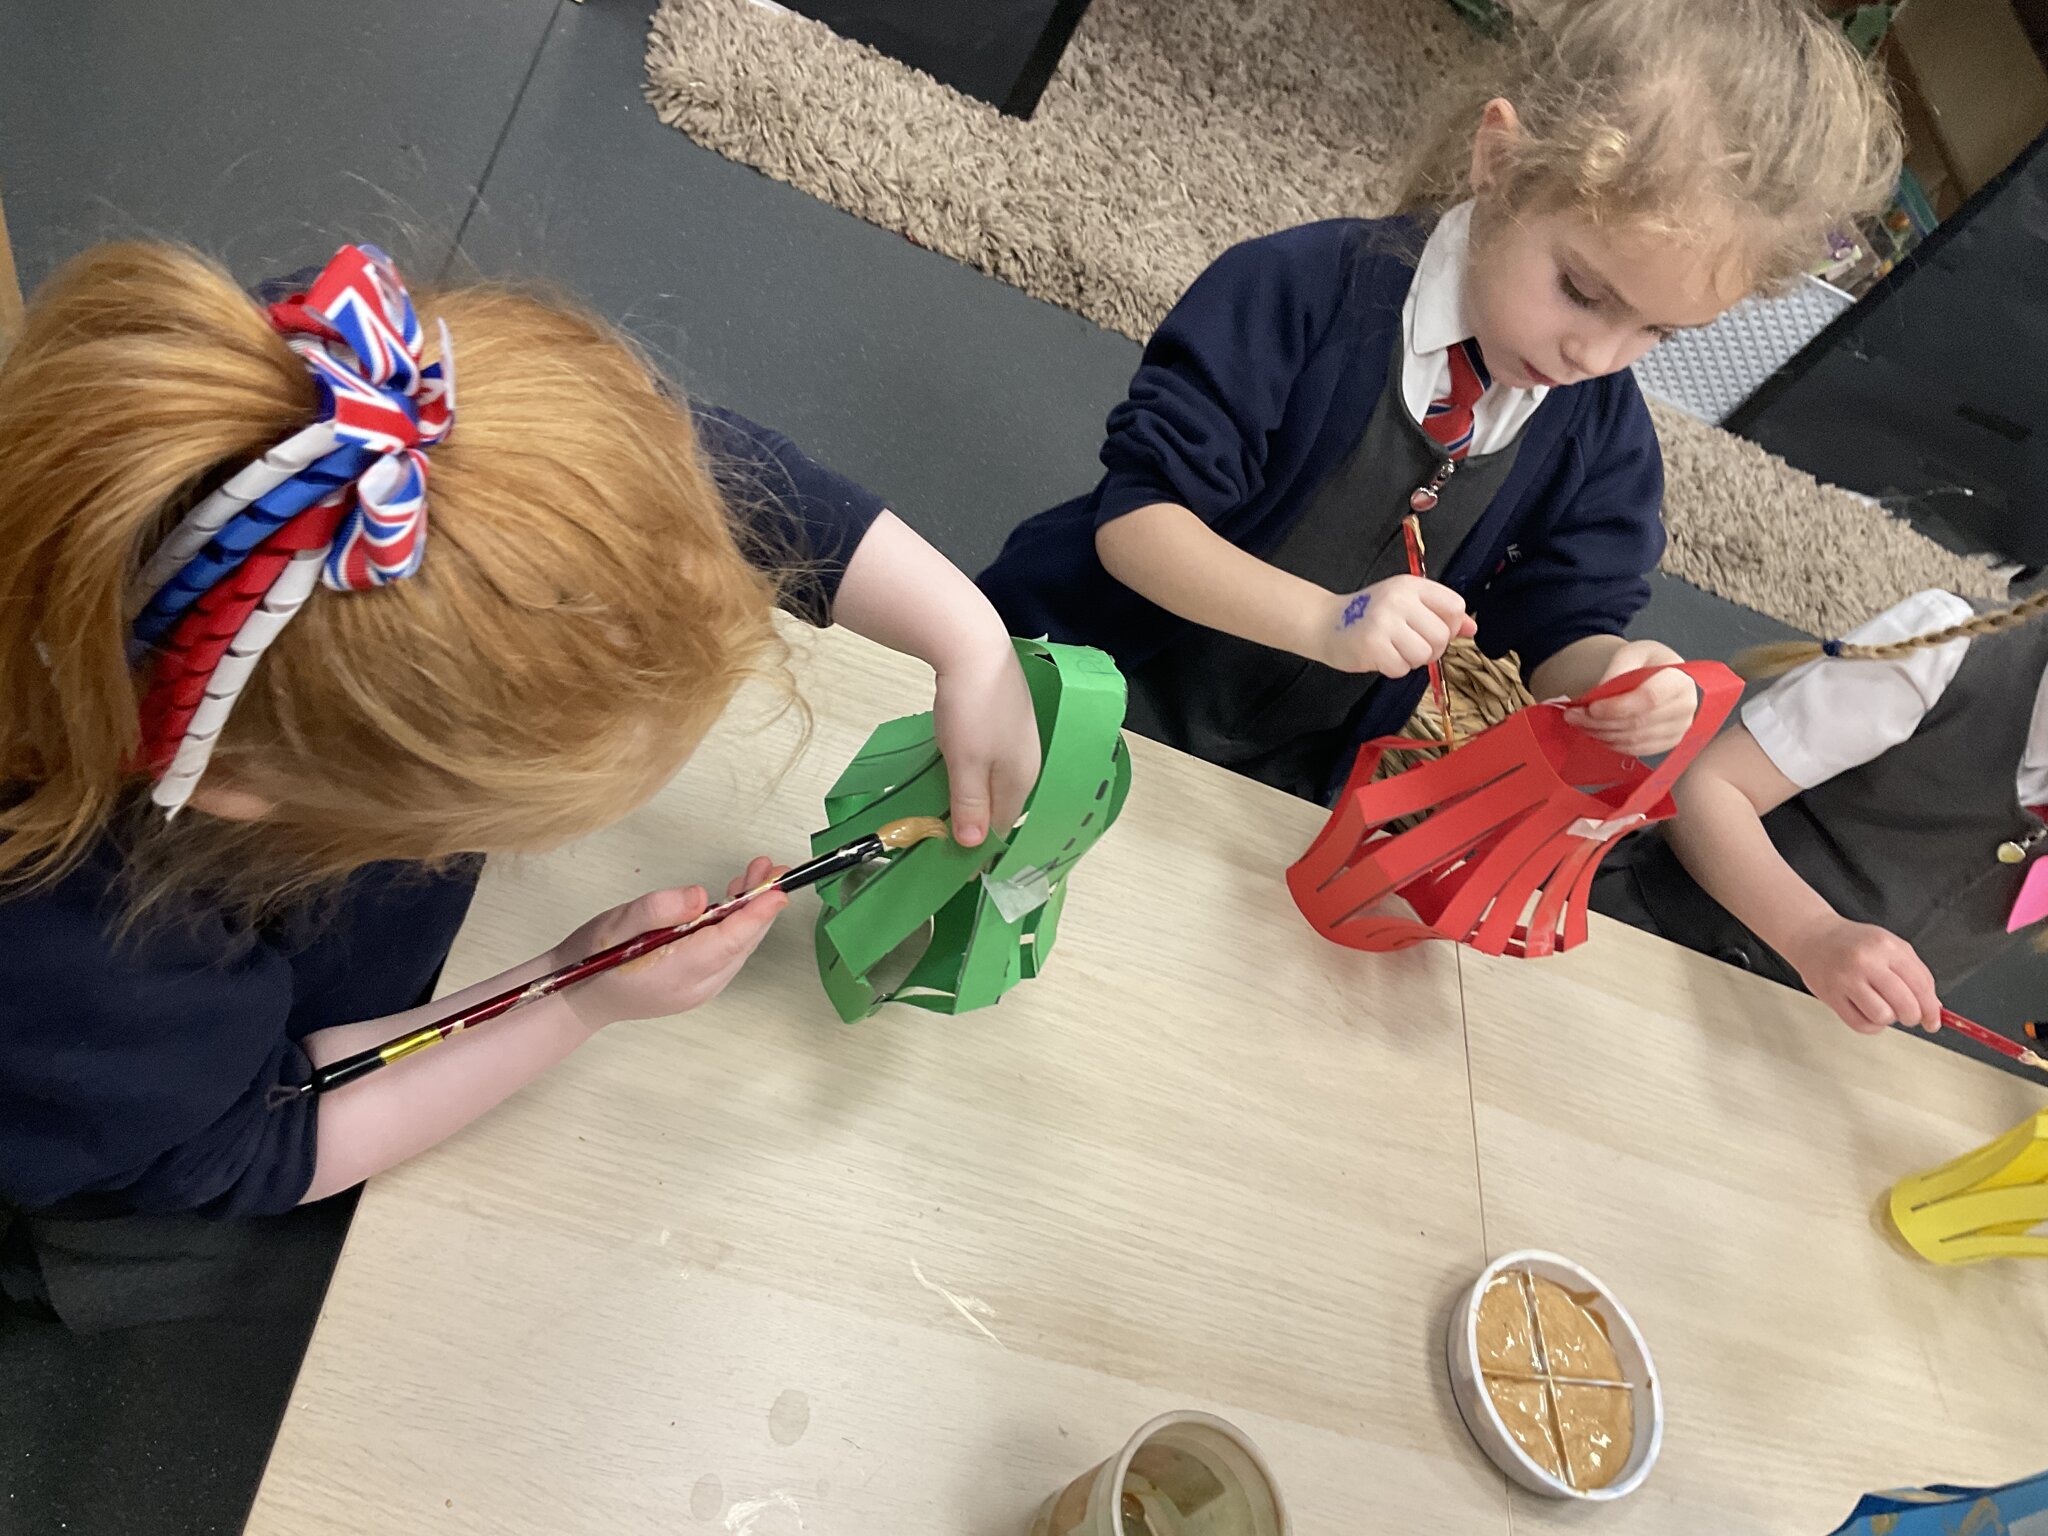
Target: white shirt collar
1434,319
1437,319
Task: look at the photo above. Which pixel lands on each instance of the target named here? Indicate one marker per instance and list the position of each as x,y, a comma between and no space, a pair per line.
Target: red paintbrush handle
1988,1038
824,867
1411,538
349,1068
622,953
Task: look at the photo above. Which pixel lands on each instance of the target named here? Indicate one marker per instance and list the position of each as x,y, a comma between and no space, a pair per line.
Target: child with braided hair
1871,830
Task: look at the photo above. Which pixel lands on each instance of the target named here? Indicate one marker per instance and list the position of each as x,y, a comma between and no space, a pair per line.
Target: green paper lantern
975,953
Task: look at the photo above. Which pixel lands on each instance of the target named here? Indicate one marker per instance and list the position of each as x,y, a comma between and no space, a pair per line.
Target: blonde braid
1771,660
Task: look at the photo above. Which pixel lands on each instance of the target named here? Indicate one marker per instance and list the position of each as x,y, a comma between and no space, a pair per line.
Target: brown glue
1555,1379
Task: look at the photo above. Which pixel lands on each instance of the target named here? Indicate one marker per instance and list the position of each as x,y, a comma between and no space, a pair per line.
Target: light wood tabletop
760,1272
1714,1148
759,1269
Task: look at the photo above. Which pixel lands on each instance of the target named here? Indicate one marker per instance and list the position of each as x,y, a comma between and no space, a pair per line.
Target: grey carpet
1173,130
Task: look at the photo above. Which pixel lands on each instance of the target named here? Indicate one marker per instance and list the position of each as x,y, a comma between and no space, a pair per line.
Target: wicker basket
1483,693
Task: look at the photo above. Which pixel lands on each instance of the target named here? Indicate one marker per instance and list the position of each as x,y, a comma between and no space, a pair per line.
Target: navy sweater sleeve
1585,573
804,520
134,1077
1217,376
135,1073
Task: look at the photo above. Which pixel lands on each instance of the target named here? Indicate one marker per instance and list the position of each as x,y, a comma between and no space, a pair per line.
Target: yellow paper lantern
1987,1204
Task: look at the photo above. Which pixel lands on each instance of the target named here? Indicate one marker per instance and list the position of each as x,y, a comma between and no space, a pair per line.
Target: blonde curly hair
1751,126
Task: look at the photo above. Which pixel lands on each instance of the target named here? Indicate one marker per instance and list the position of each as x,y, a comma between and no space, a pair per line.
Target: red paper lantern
1520,814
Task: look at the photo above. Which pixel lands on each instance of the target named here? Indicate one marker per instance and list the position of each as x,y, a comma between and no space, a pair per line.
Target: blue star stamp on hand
1355,610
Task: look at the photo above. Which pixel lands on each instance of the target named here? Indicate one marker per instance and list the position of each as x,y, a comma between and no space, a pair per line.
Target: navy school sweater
134,1079
1254,390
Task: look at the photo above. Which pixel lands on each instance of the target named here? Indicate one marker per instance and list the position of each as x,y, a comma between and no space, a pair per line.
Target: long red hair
585,609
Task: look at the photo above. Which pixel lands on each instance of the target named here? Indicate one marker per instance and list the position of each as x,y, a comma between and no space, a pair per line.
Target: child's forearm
394,1114
901,592
1719,837
1167,554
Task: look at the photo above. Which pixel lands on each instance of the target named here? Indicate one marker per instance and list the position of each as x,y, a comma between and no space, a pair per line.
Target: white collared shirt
1433,321
1830,716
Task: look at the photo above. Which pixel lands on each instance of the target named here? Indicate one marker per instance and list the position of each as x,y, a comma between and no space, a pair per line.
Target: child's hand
1869,976
678,977
900,591
1392,627
1649,718
988,732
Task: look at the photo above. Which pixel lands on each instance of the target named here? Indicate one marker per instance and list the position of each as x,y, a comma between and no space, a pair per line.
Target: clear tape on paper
1020,895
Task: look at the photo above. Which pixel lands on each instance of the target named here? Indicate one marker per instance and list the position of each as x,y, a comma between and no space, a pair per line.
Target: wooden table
1715,1148
751,1267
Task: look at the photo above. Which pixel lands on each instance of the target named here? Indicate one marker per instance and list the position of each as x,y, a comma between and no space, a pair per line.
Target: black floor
510,137
166,1427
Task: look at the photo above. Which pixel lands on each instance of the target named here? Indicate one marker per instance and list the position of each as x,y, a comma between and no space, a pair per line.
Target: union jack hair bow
342,503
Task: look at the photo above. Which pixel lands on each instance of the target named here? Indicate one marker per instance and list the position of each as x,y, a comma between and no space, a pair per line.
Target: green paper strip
974,956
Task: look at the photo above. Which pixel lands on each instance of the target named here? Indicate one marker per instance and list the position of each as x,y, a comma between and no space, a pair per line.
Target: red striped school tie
1449,419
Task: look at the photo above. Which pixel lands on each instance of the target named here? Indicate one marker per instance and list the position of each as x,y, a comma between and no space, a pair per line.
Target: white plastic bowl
1484,1421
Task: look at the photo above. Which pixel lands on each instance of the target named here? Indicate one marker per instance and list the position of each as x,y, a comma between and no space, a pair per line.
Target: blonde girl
1248,556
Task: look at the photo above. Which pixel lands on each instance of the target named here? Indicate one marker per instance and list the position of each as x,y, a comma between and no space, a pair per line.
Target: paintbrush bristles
910,830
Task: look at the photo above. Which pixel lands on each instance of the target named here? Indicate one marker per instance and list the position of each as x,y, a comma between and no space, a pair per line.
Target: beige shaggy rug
1175,128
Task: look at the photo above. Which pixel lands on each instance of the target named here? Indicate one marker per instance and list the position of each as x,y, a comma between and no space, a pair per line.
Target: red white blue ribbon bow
341,503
